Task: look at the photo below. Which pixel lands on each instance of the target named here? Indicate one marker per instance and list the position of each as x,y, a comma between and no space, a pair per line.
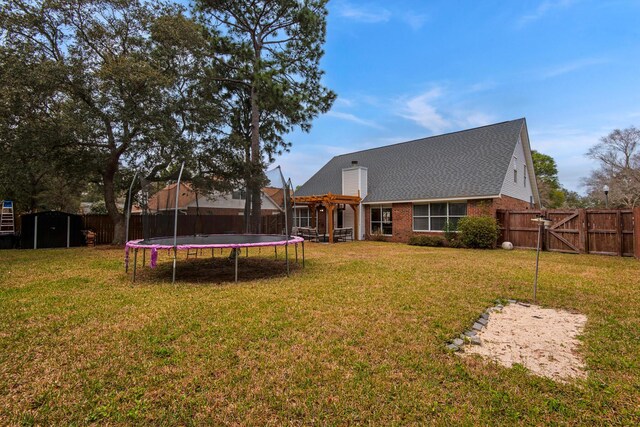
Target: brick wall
402,215
489,206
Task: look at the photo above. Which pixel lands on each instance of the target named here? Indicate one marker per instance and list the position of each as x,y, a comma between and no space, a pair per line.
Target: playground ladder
7,225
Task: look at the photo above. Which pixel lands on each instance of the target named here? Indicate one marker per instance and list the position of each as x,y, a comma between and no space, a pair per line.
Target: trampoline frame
136,245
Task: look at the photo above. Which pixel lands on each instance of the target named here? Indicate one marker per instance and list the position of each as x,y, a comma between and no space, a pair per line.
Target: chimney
354,163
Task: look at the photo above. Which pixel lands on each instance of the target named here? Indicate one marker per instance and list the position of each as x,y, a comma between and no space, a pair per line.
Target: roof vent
354,162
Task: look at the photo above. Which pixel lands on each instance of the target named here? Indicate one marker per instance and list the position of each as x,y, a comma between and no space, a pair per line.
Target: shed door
52,231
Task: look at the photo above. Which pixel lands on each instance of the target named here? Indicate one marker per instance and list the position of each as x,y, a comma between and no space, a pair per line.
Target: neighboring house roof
275,194
165,199
468,163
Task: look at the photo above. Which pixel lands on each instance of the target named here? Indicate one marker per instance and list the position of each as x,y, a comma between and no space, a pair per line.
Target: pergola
331,201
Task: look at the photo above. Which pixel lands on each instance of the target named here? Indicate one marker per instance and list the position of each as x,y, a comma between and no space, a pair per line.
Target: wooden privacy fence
162,225
591,231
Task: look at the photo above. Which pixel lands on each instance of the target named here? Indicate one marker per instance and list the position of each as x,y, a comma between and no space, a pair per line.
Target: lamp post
606,196
542,224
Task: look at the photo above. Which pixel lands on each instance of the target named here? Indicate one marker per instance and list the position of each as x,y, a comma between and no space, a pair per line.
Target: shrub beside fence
592,231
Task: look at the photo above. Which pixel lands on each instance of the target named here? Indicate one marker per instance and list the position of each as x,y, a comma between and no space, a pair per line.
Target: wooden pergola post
330,201
330,208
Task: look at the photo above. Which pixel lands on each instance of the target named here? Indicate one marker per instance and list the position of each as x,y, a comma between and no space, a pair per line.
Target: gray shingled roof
469,163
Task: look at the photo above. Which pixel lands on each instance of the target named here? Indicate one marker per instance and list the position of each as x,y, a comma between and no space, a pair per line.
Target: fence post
619,239
636,232
544,237
583,230
507,226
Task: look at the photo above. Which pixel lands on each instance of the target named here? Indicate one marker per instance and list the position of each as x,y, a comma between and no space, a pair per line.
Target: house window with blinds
435,216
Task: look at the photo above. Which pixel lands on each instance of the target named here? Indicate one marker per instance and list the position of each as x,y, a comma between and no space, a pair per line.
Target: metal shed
51,229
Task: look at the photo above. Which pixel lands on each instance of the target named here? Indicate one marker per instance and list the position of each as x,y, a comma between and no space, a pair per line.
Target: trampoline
199,241
211,241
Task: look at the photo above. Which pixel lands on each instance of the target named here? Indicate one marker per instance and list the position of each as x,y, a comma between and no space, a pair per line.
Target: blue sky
410,69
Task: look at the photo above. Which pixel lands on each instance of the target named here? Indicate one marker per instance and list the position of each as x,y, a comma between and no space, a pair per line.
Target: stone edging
470,336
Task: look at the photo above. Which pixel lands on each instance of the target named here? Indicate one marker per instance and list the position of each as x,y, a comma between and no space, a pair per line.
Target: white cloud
544,8
415,20
368,14
430,111
570,67
421,110
354,119
345,102
482,86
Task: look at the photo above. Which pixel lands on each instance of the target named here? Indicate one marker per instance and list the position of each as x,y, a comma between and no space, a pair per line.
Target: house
216,203
419,186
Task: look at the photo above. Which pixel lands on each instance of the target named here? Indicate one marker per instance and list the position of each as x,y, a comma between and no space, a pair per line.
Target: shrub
450,231
478,231
455,243
434,241
377,236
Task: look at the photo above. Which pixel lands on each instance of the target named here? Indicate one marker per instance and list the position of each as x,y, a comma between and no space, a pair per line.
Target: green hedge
478,231
435,241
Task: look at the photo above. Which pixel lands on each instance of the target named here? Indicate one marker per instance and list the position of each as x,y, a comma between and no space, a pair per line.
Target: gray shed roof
469,163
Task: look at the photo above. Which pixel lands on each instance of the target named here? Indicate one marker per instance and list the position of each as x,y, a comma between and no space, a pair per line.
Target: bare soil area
544,340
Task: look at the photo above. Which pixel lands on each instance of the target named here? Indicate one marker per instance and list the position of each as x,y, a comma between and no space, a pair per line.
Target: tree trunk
110,203
256,164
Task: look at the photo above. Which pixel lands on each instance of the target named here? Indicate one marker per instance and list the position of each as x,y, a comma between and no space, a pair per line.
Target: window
434,216
302,217
239,195
515,169
381,220
524,174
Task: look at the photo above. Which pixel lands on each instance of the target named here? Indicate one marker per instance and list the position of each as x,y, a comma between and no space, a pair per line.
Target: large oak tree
127,78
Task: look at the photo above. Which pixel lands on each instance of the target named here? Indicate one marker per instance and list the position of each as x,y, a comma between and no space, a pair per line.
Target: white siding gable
520,189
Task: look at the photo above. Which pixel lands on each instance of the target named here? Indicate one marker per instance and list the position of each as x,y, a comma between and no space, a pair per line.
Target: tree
126,77
272,75
618,157
38,169
552,195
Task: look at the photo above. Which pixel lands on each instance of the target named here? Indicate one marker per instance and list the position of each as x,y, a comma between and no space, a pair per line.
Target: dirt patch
544,340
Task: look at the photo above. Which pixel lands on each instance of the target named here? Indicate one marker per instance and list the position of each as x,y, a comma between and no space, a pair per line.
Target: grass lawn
357,337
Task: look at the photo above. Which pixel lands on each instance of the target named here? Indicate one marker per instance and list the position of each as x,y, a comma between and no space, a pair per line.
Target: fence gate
591,231
565,233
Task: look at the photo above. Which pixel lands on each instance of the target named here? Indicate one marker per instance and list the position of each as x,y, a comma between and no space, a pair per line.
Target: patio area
335,224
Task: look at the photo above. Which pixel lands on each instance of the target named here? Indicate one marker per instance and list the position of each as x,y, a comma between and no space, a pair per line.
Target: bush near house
434,241
479,232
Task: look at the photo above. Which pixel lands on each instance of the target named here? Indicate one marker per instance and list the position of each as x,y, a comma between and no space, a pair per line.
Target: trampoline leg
135,263
286,255
236,251
296,253
144,257
303,254
275,248
213,253
175,258
247,252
